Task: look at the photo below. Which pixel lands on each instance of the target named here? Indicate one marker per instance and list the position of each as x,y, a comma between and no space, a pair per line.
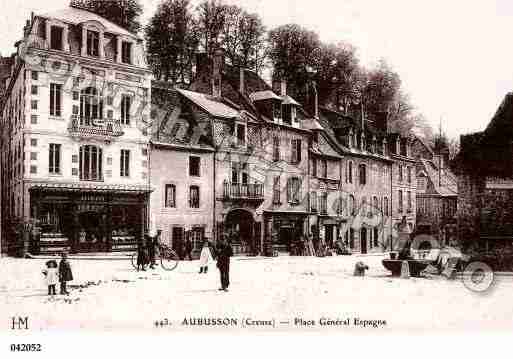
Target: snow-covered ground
115,296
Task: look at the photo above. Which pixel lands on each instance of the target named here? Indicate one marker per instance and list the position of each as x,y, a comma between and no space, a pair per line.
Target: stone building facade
75,163
485,183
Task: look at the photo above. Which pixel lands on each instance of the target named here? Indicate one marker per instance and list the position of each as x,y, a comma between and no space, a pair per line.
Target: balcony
105,129
243,191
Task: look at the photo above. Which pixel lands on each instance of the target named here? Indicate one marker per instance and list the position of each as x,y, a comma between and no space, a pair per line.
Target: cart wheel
169,260
478,277
133,260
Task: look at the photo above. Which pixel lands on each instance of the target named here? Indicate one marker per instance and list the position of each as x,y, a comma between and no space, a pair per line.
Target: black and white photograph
255,166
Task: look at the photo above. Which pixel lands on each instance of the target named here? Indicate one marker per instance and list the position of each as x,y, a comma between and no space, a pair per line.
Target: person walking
65,274
205,257
188,249
52,276
142,256
224,252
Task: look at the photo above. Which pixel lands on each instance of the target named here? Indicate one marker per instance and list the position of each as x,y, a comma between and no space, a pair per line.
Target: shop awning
90,187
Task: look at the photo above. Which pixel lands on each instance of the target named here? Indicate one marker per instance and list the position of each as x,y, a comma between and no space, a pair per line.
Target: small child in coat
51,276
65,274
205,258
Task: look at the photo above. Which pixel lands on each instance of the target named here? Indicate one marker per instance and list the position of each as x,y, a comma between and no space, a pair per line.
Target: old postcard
255,166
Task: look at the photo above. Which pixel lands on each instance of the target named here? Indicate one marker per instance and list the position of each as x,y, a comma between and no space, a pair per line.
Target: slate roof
210,104
72,15
446,185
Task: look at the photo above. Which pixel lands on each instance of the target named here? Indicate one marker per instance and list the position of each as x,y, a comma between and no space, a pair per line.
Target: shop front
283,230
95,219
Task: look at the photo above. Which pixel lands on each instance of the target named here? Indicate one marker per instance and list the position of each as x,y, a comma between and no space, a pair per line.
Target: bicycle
168,257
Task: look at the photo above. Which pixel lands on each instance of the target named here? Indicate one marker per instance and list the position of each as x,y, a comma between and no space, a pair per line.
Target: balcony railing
88,127
253,191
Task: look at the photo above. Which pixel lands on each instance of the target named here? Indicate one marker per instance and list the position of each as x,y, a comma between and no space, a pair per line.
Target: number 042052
25,347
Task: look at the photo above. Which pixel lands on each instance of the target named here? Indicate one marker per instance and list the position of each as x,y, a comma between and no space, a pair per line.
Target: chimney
381,121
241,80
283,87
217,72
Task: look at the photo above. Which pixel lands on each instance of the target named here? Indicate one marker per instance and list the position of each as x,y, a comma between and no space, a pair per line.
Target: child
205,258
65,274
52,276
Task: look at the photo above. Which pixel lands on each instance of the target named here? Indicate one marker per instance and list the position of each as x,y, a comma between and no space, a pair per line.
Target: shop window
170,196
194,166
194,197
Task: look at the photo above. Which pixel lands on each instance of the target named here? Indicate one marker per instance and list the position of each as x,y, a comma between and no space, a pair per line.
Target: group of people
58,274
222,253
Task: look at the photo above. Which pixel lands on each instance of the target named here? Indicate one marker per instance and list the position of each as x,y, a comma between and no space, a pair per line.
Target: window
277,110
33,169
276,149
296,151
287,114
170,196
197,236
400,169
126,52
33,89
35,75
276,190
124,163
352,208
385,206
375,204
313,202
33,156
400,204
409,174
241,134
194,197
362,170
54,160
294,190
376,236
56,38
125,109
240,172
409,202
33,142
55,99
349,172
33,104
194,166
90,163
33,119
351,238
91,106
314,167
324,203
324,168
93,43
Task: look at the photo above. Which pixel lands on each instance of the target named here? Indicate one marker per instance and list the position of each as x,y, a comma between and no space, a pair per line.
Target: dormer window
56,34
126,52
93,43
277,110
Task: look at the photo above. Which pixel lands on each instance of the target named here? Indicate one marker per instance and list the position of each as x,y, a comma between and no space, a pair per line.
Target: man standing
224,252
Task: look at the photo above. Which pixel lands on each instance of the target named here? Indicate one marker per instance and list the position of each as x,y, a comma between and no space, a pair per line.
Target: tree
292,52
211,16
172,41
125,13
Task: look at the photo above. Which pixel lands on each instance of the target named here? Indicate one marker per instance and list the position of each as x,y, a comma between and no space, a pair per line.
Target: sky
454,57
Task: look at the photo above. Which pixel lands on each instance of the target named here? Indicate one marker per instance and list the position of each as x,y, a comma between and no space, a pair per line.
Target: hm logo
19,323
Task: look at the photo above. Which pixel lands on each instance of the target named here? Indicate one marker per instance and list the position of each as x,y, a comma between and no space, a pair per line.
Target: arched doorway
239,226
